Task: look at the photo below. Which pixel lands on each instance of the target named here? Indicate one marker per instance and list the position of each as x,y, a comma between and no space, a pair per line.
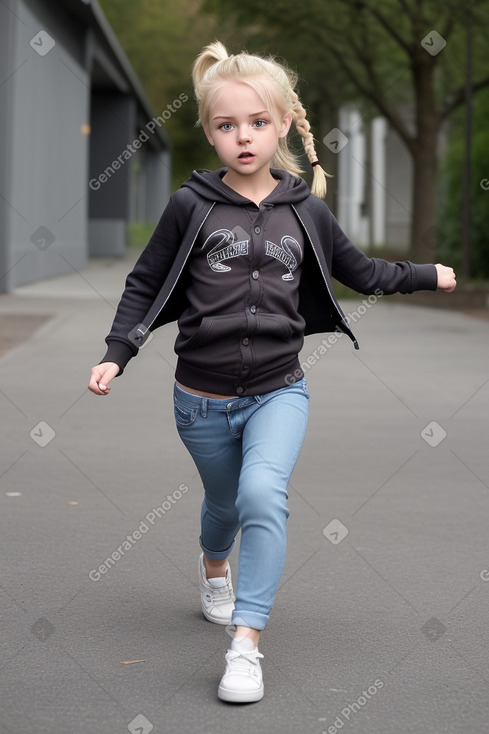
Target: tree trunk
425,159
328,119
424,232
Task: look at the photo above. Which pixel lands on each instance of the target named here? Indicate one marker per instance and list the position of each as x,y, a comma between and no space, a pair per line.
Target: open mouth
245,155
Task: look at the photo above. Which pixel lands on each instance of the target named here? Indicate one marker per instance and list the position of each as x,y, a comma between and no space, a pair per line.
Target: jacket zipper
333,300
181,269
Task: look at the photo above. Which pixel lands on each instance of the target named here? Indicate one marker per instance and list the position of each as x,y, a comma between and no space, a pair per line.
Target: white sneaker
216,595
243,681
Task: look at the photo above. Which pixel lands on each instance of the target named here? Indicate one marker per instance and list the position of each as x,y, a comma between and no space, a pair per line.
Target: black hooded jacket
246,283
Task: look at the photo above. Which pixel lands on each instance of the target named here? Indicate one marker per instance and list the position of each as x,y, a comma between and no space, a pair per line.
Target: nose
244,134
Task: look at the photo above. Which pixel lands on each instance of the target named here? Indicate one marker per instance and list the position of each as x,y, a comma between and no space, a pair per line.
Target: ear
285,126
208,134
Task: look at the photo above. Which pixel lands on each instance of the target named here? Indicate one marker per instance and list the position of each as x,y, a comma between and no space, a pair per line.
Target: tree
397,55
451,193
161,40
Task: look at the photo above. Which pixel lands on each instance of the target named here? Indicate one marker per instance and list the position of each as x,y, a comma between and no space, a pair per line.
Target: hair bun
210,55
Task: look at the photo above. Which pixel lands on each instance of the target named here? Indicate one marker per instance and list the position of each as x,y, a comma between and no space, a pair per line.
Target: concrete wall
399,175
374,187
112,120
157,178
48,100
7,69
70,105
351,175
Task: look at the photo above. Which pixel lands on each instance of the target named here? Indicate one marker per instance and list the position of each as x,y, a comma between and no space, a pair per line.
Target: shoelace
220,594
241,661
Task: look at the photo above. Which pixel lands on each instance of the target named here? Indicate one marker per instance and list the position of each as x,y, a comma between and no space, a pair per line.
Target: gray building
82,153
375,174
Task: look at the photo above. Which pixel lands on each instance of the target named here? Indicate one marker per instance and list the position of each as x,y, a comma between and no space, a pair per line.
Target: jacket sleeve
142,285
370,274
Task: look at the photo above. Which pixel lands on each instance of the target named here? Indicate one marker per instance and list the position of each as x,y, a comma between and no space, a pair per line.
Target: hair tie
316,163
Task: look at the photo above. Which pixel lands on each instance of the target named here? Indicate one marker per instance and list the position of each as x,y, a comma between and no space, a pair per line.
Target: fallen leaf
130,662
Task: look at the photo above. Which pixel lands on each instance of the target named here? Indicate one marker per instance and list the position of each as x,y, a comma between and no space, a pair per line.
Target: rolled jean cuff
216,555
255,620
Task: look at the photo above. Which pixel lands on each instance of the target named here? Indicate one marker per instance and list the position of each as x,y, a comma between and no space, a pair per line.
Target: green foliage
451,200
343,50
161,40
349,49
371,51
138,234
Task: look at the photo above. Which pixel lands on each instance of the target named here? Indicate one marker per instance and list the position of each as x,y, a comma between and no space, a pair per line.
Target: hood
209,184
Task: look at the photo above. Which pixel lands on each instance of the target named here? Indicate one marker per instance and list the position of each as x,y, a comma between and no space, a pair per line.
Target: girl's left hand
446,278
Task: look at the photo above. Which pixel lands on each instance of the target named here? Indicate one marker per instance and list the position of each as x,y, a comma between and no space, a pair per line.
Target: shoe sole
223,622
240,696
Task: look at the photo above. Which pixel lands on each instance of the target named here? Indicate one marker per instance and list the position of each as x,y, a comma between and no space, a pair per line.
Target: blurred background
97,121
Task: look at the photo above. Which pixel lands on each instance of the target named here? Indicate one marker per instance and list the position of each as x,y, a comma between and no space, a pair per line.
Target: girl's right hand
100,377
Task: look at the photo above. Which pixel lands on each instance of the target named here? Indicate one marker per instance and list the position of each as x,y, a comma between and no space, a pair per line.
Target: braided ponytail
319,181
275,83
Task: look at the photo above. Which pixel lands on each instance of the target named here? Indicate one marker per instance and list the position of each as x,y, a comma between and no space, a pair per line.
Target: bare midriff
204,394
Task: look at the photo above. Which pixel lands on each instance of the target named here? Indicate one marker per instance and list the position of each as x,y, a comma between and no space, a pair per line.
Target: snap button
246,341
257,230
239,390
229,406
255,275
253,309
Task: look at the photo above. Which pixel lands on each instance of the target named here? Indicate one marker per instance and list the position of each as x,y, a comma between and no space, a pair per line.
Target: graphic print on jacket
242,327
283,252
157,289
226,247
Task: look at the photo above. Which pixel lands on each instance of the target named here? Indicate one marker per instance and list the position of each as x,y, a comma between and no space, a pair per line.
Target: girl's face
244,133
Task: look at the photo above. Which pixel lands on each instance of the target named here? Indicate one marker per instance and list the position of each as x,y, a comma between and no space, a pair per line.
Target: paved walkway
380,624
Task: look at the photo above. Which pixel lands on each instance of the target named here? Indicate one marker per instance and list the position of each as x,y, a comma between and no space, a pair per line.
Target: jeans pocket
184,416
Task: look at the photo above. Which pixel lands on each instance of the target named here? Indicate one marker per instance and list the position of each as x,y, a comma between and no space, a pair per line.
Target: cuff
255,620
426,278
118,352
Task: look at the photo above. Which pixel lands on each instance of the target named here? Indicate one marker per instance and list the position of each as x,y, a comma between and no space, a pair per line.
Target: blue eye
260,123
226,126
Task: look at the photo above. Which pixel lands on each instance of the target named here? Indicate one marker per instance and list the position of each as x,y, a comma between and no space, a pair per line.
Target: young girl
243,257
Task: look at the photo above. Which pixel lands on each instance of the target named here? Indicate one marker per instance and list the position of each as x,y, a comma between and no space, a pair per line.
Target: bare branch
458,98
391,30
374,94
449,25
407,9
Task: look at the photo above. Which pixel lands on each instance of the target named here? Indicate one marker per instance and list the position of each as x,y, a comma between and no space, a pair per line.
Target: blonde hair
275,84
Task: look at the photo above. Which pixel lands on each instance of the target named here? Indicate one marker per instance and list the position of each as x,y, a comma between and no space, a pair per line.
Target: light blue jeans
245,450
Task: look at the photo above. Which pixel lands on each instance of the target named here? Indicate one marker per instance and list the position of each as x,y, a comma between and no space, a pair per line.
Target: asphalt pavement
380,625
